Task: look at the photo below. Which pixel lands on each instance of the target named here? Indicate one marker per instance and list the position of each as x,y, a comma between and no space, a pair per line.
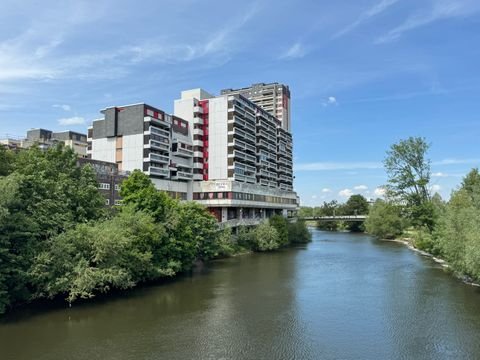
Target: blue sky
363,74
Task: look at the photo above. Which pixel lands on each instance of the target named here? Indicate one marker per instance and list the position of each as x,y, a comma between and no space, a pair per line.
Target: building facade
273,98
45,139
224,152
143,137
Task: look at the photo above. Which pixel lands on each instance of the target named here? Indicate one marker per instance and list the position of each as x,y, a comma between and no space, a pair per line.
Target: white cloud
361,187
379,191
345,193
436,188
64,107
75,120
326,190
295,51
456,161
439,174
440,10
377,9
326,166
331,100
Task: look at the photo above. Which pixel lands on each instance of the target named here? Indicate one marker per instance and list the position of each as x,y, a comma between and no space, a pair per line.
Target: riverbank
408,242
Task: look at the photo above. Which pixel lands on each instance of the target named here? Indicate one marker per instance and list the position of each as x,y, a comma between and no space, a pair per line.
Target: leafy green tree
139,191
356,205
408,171
7,159
305,211
266,237
280,224
331,208
385,220
298,233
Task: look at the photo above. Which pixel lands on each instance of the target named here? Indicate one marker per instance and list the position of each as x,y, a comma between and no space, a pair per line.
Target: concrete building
241,153
143,137
273,98
46,138
224,152
109,179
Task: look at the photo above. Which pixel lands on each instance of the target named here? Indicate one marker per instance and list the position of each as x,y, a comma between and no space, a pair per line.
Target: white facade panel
218,138
104,149
132,152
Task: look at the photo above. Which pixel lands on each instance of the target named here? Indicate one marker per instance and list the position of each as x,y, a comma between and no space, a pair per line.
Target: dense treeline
57,239
450,230
355,205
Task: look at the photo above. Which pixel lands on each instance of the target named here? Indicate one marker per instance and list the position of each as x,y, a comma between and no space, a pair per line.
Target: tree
385,220
139,191
266,237
7,159
331,208
408,172
281,225
298,233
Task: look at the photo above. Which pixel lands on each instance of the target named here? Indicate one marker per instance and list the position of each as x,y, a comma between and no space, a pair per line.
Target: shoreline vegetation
57,240
447,231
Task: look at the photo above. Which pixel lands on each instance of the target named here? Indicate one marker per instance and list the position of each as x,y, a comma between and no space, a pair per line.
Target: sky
363,74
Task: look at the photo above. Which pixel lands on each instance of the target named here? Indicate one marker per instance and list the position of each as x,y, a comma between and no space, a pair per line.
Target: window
117,187
118,202
104,186
107,202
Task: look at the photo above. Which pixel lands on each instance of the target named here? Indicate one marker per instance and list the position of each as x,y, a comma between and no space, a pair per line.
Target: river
343,296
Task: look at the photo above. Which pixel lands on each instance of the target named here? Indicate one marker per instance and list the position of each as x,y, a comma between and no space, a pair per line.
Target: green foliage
94,258
225,244
45,195
266,238
424,240
408,172
7,159
356,205
331,208
245,237
298,233
280,224
385,220
139,191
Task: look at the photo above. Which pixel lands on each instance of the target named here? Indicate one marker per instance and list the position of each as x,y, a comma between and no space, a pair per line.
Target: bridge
335,218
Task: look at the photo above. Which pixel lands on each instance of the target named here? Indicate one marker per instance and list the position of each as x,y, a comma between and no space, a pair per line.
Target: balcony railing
153,170
158,145
159,158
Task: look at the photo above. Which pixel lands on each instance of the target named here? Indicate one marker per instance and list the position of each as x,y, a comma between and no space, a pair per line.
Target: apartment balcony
198,132
158,122
162,159
159,132
285,178
198,177
197,110
285,187
153,144
284,170
158,171
198,154
182,175
198,165
198,143
198,120
183,152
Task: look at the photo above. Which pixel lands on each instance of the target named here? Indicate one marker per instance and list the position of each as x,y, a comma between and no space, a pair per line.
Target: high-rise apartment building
273,98
142,137
224,152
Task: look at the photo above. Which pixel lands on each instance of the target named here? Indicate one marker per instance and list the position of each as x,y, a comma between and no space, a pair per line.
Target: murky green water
344,296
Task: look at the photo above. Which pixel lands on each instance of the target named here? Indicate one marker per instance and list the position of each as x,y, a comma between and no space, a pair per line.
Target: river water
344,296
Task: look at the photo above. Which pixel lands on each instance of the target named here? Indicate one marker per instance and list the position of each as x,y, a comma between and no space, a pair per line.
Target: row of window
106,186
243,196
117,202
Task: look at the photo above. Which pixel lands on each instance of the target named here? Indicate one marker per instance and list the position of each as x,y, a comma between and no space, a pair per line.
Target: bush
298,233
266,238
385,220
280,224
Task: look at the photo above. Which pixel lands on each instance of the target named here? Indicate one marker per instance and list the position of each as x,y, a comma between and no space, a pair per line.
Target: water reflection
345,296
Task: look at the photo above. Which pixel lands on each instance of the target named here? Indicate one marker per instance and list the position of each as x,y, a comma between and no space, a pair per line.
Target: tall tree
408,171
